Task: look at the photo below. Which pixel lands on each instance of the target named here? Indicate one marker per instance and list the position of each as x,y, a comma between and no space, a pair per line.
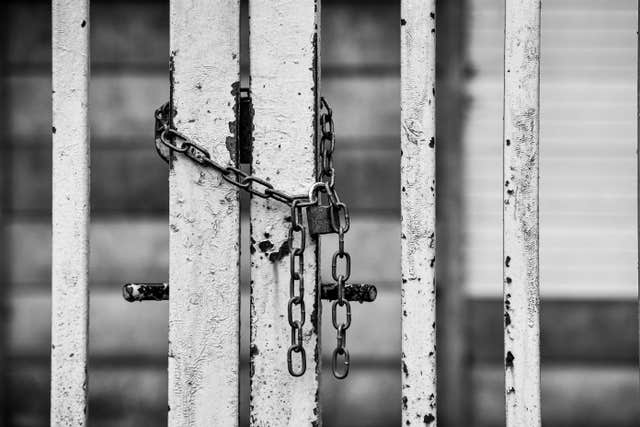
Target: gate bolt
360,292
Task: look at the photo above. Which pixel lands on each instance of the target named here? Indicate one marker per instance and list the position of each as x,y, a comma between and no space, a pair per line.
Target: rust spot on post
265,245
508,361
282,252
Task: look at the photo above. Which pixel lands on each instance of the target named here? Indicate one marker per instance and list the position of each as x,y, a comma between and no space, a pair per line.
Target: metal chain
296,267
169,140
327,145
341,278
340,222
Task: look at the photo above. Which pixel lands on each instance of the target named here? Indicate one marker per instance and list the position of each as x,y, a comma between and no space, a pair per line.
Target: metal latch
360,292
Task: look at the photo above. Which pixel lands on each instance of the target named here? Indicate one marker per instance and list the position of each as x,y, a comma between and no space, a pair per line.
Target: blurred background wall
588,211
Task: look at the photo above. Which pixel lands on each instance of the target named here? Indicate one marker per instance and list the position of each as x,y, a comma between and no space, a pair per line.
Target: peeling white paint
283,83
70,213
418,206
520,214
204,306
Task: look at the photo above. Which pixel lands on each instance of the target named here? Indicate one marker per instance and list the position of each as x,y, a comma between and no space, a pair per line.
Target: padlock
319,219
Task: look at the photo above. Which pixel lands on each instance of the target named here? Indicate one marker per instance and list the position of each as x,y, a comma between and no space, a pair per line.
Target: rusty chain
341,327
296,266
166,137
168,140
327,145
340,222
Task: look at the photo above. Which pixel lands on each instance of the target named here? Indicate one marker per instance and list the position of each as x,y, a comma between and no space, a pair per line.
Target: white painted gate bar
418,206
284,51
204,316
520,212
70,212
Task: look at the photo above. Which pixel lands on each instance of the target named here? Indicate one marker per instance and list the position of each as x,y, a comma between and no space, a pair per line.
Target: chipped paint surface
70,213
418,212
520,213
204,219
284,86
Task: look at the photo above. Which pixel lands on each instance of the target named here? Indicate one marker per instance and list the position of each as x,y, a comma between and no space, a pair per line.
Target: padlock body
319,218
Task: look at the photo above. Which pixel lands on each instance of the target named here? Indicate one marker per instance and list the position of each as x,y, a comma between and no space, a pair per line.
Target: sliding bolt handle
133,292
360,292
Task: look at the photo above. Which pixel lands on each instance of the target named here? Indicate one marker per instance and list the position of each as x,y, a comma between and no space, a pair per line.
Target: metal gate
205,235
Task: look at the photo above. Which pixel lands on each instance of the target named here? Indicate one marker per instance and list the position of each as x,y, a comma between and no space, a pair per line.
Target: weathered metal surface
418,212
359,292
70,213
204,217
284,60
520,213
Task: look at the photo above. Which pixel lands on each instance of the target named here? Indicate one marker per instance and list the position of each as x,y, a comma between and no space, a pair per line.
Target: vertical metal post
520,212
418,205
70,212
204,315
284,46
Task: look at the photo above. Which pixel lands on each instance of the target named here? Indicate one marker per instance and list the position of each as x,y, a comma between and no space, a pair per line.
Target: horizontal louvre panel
137,249
130,397
132,36
572,331
123,105
133,180
571,396
587,149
